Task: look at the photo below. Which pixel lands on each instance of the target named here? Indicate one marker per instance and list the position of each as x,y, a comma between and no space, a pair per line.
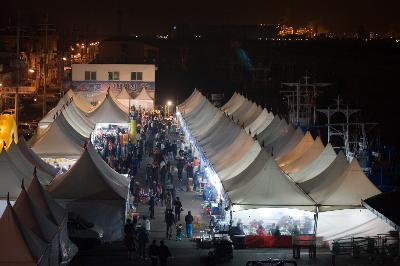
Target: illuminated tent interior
255,180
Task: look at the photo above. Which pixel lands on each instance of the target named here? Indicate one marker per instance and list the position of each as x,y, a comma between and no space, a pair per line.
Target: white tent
231,101
109,112
35,159
317,166
18,244
297,151
124,98
263,184
56,214
143,100
78,120
95,191
34,219
260,123
60,140
286,143
306,158
24,165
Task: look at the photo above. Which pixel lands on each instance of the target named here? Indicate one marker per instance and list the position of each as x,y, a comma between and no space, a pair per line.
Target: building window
90,75
113,75
136,75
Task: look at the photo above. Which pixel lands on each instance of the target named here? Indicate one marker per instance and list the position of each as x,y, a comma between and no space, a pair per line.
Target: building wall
78,71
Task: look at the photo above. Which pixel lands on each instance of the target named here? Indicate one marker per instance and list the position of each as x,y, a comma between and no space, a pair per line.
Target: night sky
158,16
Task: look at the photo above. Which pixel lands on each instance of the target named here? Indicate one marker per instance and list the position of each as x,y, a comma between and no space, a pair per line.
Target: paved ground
185,252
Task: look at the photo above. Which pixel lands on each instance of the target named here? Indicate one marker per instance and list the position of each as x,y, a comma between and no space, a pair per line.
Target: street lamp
169,103
31,70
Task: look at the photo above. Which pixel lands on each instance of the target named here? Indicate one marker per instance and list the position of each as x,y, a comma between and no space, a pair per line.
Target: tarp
18,244
109,112
297,151
60,140
386,207
306,158
35,159
348,223
263,184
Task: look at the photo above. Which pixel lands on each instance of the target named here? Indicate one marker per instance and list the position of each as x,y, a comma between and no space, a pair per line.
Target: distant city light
169,103
31,71
64,58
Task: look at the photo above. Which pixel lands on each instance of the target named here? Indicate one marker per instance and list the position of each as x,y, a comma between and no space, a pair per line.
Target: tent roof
18,245
25,165
10,177
89,178
143,96
35,159
60,140
263,184
297,151
231,101
123,94
310,155
237,104
346,190
33,218
78,120
81,103
386,207
109,112
323,161
45,202
287,144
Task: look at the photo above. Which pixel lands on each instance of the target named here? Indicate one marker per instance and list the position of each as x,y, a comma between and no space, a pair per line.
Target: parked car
83,233
26,129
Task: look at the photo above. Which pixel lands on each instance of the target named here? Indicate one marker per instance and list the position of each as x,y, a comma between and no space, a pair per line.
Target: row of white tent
67,127
282,168
31,233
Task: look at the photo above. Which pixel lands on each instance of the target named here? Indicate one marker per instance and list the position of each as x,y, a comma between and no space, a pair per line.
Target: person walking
164,253
129,242
170,221
189,222
180,165
152,203
142,239
154,252
178,208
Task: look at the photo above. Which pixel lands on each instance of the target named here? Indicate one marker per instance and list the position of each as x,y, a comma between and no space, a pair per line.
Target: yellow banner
132,130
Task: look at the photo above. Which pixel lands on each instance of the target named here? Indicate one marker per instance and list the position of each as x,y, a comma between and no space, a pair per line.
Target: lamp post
169,103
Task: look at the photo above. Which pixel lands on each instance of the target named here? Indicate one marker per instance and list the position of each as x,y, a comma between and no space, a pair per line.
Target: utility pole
18,70
45,67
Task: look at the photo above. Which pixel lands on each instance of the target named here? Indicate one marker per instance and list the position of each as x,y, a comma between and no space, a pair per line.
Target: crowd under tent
94,191
297,151
60,141
306,158
18,244
143,101
35,159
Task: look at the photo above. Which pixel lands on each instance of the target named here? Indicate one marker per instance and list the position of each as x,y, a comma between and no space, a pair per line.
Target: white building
93,80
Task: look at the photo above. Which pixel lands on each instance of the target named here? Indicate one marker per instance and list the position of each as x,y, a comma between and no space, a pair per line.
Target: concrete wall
78,71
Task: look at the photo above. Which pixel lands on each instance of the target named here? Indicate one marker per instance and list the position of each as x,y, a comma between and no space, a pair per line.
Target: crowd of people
155,185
